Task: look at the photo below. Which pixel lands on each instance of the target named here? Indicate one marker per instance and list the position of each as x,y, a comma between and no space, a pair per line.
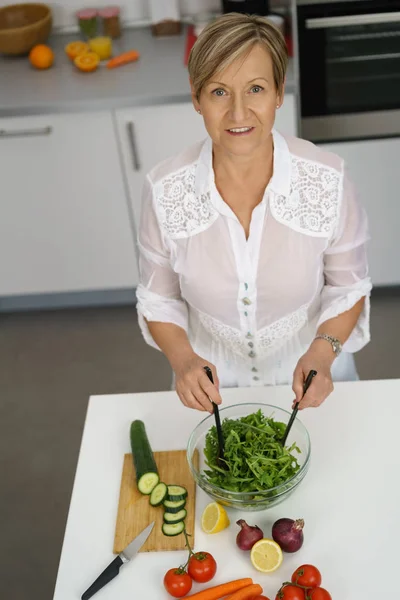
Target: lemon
266,556
214,518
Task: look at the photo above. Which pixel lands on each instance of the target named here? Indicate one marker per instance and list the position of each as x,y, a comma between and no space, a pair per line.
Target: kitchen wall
133,10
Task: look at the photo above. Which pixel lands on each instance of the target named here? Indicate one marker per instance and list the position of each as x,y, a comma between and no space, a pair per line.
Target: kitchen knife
113,568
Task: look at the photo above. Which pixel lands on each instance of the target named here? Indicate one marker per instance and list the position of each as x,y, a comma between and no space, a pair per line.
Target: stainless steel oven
349,68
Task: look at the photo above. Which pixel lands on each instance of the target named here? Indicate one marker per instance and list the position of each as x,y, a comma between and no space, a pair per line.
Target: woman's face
242,97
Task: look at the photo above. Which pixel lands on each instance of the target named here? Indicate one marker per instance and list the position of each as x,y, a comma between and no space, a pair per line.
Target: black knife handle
107,575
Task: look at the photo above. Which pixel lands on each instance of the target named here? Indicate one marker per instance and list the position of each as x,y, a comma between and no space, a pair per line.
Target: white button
246,301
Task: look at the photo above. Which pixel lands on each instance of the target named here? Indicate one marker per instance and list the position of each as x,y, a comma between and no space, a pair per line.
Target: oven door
349,57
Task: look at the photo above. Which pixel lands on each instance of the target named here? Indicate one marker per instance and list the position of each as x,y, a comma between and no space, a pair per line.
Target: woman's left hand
319,357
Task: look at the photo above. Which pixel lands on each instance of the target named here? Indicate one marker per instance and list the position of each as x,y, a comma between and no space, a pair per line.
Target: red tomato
202,567
319,593
290,592
307,576
177,582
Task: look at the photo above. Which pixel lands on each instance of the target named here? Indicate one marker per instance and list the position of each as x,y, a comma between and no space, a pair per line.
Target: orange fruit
87,62
41,56
74,49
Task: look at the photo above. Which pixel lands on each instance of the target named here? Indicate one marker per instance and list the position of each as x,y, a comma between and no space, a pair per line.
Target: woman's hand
193,385
320,357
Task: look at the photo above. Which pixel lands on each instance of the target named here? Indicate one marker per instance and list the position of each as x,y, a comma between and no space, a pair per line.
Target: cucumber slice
174,506
175,517
177,492
158,494
147,483
171,529
146,469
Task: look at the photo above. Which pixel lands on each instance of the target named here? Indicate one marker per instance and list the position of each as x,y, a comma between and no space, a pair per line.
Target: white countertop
349,499
158,77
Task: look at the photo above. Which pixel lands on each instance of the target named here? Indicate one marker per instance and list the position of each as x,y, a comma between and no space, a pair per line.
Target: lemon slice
266,556
214,518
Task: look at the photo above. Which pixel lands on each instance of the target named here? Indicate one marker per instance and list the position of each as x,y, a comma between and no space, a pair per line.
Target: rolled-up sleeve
158,293
346,269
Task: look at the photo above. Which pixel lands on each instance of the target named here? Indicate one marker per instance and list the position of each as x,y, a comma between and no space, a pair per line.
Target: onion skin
248,535
288,533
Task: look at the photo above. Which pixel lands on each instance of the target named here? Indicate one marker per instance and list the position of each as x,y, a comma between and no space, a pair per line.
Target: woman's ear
281,95
194,98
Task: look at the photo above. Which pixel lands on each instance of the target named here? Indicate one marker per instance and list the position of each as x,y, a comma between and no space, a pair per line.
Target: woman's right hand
193,386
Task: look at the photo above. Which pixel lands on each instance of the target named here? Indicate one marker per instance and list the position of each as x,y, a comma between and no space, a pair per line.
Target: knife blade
113,568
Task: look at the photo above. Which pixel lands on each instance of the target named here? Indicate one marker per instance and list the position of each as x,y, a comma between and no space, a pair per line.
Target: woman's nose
238,109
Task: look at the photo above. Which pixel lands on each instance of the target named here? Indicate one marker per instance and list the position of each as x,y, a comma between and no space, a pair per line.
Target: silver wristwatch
335,343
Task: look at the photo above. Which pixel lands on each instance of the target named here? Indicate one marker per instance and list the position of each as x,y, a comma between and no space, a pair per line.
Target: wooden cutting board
135,511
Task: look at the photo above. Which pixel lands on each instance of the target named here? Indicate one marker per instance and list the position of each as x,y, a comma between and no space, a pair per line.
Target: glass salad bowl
260,473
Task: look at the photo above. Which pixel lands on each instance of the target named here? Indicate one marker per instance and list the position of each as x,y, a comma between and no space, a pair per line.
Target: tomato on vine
307,576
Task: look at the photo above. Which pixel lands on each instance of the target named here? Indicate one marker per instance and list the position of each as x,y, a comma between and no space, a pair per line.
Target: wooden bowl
22,26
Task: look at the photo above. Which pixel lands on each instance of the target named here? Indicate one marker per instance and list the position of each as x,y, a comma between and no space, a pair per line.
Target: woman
252,245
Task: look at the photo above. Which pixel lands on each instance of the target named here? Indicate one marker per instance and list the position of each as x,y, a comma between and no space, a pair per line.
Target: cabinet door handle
132,141
8,133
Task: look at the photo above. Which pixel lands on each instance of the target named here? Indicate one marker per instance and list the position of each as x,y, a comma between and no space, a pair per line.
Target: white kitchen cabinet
64,216
374,167
152,134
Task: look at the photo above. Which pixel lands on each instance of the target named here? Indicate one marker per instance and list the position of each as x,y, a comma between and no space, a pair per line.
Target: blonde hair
229,37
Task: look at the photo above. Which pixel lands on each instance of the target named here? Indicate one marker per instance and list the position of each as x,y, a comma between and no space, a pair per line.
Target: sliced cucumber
146,469
147,483
158,494
174,506
175,517
171,529
177,492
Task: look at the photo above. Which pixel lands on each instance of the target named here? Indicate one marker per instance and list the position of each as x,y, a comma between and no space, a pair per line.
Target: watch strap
334,342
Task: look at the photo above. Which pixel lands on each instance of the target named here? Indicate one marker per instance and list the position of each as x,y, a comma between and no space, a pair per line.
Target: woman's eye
219,92
256,89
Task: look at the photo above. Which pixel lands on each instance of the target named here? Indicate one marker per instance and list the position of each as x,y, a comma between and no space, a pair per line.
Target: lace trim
181,212
313,204
275,335
229,337
265,341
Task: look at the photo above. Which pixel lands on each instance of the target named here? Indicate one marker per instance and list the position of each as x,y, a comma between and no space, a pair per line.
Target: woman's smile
240,131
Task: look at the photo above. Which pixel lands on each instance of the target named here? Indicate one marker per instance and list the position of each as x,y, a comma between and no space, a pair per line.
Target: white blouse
252,307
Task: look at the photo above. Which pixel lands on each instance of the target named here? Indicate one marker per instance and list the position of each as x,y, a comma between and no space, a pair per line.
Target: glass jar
102,46
111,21
87,20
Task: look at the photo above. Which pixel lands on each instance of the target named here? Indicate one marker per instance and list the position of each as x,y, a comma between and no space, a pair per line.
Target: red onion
248,535
288,534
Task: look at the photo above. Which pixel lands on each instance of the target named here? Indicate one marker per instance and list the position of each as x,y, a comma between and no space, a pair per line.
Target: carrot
123,59
255,598
219,591
248,593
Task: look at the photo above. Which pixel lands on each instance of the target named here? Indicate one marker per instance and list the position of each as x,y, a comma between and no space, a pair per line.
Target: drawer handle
10,133
132,141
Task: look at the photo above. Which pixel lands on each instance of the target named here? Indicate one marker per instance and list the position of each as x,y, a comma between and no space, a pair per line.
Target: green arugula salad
253,452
